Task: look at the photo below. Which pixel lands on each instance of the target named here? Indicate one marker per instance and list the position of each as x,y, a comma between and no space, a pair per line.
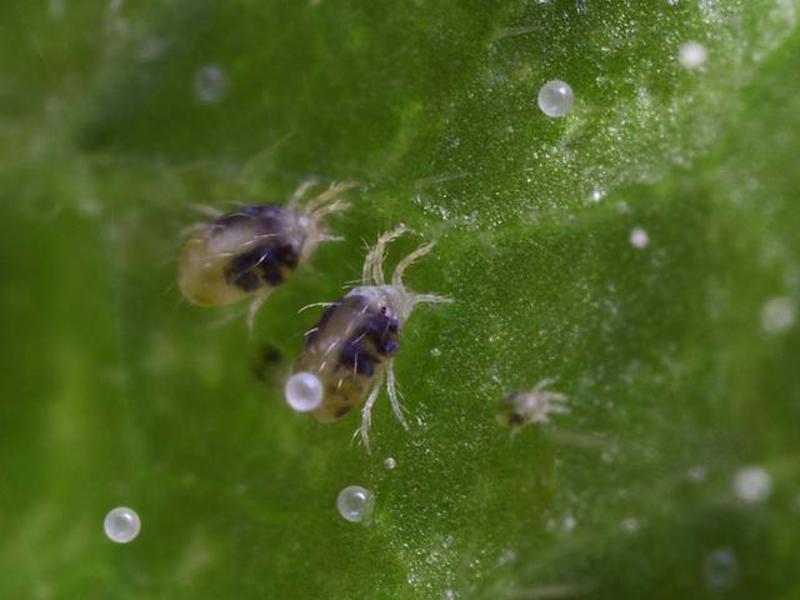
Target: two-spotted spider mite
351,349
249,252
522,408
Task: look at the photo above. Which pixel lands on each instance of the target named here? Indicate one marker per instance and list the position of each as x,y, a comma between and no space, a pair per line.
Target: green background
117,392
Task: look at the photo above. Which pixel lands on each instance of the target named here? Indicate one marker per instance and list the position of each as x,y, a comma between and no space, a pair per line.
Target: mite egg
355,503
556,98
303,392
351,349
536,406
122,525
249,252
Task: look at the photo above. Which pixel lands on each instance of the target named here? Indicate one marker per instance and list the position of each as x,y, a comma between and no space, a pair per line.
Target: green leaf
678,357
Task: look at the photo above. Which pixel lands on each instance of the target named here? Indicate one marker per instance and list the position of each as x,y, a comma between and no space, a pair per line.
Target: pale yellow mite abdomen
206,257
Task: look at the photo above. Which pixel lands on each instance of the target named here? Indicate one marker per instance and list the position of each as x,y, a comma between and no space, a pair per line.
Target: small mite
249,252
521,408
351,349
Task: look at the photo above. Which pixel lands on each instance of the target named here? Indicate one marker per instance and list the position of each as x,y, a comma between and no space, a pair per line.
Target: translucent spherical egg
355,503
389,464
556,98
303,391
122,525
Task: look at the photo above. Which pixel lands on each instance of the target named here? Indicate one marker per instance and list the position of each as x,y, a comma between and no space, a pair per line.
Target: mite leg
328,209
207,211
544,383
334,190
430,299
391,388
397,277
373,264
558,403
366,412
301,191
315,305
255,305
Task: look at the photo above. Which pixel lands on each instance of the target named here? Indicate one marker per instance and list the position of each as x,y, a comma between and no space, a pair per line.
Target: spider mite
249,252
351,349
521,408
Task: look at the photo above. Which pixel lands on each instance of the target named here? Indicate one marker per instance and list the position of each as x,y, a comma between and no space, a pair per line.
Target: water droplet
639,238
556,98
303,391
692,55
122,525
778,315
389,464
720,568
210,84
355,503
752,484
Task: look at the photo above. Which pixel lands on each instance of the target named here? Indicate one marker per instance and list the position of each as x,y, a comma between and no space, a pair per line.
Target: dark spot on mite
264,264
268,262
382,332
355,356
241,271
271,269
287,255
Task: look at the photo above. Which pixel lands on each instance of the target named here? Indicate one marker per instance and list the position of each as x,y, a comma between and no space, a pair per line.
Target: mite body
351,349
249,252
522,408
